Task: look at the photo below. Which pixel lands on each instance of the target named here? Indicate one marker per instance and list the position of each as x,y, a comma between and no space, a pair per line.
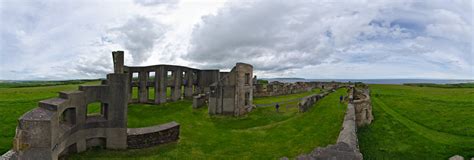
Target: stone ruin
233,93
60,126
362,105
224,92
358,113
277,88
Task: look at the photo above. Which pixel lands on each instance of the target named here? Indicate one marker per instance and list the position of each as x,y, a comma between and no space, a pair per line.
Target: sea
379,81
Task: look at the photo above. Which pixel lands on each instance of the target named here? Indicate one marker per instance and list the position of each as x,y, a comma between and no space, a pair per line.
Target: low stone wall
308,101
152,136
359,112
199,100
346,148
10,155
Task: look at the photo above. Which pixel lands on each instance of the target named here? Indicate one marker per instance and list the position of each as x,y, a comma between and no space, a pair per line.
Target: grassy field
273,99
419,123
14,102
263,134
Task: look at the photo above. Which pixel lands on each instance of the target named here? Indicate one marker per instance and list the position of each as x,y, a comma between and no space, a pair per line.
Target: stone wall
347,146
308,101
363,106
152,136
184,82
278,88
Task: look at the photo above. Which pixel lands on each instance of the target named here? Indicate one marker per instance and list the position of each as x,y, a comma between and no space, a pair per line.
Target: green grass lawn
262,134
286,102
419,123
273,99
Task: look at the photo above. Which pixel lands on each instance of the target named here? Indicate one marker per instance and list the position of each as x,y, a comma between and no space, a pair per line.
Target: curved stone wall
152,136
59,126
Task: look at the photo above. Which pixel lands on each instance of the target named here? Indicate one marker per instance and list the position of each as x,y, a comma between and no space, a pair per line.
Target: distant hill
289,79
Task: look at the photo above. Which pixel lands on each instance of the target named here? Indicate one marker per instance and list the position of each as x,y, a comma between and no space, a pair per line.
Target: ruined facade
152,83
276,88
233,93
224,92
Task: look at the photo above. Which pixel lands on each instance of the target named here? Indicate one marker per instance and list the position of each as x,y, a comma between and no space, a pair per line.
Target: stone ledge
10,155
152,136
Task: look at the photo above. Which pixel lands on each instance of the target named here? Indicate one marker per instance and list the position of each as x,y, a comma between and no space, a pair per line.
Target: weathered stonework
233,93
307,102
225,92
60,126
362,105
152,136
278,88
347,146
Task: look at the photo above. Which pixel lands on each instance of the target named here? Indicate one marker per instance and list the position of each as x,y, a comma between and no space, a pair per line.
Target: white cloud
291,36
302,38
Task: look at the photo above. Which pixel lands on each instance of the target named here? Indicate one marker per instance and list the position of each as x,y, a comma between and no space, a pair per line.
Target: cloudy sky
56,39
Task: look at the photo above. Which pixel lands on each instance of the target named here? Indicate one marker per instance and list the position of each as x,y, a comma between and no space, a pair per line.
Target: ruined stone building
225,92
276,88
62,125
232,94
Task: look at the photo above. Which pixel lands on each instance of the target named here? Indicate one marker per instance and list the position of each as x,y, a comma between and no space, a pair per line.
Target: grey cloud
138,35
273,35
284,35
155,2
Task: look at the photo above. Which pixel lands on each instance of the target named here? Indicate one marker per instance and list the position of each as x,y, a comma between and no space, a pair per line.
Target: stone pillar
188,88
142,89
130,86
116,112
118,61
157,84
162,84
177,79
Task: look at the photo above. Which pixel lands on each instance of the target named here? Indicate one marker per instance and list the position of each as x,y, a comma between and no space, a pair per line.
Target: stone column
177,79
130,86
118,61
162,84
188,88
157,84
116,112
142,89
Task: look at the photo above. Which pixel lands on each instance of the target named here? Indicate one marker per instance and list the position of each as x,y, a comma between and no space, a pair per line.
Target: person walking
340,99
277,106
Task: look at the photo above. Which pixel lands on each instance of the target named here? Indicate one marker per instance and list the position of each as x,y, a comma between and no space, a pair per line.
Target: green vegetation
94,108
20,84
286,102
14,102
419,123
411,122
263,134
282,98
458,85
262,81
